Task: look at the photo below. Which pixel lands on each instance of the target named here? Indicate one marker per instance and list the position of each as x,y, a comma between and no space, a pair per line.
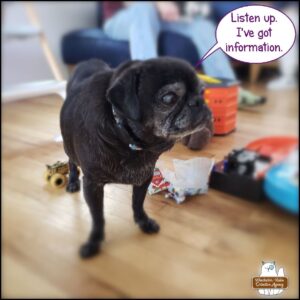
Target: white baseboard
34,89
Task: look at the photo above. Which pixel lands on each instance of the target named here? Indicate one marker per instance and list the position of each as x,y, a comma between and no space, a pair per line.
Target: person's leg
144,32
117,27
140,25
202,32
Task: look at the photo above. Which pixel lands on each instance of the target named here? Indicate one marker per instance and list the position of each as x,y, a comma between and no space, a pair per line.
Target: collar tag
134,147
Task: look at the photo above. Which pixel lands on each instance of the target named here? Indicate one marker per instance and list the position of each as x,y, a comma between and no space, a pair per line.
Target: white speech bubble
254,34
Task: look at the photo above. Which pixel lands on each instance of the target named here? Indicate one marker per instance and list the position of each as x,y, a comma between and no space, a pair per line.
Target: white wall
23,59
57,18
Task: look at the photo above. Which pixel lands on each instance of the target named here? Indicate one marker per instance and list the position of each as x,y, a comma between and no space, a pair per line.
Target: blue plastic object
281,186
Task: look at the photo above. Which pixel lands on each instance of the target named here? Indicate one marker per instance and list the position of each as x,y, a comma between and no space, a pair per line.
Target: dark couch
84,44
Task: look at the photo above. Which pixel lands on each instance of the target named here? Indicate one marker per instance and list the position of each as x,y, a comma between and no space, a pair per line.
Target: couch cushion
84,44
177,45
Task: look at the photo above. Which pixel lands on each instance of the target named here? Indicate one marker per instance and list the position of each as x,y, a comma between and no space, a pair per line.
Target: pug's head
163,96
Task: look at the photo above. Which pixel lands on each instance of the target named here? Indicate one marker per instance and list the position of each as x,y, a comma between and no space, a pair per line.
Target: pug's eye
169,98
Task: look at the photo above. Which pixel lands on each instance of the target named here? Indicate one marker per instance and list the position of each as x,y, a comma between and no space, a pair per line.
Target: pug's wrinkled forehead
170,72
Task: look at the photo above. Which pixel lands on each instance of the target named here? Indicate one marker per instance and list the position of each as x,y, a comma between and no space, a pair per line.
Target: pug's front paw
148,226
89,249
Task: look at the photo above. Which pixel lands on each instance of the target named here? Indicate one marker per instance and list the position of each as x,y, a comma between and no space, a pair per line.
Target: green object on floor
248,99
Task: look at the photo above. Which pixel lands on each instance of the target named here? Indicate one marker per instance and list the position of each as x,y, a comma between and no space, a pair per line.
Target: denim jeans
140,24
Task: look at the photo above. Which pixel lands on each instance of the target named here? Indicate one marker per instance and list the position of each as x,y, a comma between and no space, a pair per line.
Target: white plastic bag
190,177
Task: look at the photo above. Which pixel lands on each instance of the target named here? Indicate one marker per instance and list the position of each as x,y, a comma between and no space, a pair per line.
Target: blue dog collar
120,124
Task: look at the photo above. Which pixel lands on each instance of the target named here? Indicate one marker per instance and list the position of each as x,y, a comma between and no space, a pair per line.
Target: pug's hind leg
74,182
146,224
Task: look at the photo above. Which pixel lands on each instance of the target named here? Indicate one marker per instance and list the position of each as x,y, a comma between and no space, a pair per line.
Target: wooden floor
210,246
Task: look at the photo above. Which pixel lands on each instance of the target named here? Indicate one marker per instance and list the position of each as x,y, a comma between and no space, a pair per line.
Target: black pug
115,124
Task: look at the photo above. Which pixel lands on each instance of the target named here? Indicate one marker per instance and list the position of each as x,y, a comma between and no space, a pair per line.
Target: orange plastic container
222,99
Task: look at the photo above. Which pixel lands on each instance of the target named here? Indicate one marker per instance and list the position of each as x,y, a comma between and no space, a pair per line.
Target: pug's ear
123,95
